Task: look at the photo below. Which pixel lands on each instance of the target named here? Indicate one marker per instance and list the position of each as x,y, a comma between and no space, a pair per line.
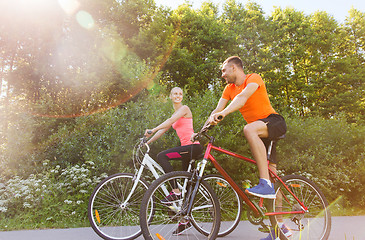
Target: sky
337,8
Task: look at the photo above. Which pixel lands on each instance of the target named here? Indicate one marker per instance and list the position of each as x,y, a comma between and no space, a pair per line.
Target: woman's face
176,95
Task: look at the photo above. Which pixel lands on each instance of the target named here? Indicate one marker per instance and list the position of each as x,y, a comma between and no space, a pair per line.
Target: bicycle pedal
264,229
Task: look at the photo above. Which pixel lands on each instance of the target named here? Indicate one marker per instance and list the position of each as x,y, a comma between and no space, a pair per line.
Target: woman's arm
184,111
157,135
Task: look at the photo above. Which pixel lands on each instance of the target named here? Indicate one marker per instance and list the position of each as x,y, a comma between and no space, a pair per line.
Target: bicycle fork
195,181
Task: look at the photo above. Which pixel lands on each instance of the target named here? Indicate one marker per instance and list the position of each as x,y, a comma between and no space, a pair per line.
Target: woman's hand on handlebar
148,133
194,137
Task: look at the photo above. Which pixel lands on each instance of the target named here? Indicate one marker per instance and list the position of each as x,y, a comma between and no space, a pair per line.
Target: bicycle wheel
314,224
230,202
110,214
205,212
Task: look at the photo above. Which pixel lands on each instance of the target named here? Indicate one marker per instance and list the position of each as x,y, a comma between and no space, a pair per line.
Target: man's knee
257,128
248,129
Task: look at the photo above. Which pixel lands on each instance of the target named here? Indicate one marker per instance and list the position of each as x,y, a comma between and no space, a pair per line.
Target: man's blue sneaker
273,234
262,190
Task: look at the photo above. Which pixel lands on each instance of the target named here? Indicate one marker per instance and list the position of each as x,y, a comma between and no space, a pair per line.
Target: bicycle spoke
168,216
313,224
109,214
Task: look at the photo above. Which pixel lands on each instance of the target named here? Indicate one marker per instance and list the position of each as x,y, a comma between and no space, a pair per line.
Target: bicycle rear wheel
230,202
110,215
205,214
314,224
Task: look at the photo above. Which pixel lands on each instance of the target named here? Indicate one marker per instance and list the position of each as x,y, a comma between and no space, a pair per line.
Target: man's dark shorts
276,127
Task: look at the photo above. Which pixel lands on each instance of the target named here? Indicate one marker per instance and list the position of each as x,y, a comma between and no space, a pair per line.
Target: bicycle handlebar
205,128
144,142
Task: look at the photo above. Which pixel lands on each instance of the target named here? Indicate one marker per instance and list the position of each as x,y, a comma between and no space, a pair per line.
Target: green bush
332,151
56,196
328,151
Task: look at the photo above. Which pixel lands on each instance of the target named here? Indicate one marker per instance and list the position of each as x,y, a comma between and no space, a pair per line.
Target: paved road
343,228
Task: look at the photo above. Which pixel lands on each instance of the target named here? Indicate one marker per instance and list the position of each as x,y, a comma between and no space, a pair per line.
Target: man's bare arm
238,102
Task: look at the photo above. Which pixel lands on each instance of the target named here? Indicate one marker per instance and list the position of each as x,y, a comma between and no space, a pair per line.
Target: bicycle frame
244,197
152,165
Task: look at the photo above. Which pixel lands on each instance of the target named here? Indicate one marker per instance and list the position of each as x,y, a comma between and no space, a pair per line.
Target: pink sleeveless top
184,129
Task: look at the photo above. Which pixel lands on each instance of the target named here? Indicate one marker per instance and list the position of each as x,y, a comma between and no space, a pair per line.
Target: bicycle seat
278,138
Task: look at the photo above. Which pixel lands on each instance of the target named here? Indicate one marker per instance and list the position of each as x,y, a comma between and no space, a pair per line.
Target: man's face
228,73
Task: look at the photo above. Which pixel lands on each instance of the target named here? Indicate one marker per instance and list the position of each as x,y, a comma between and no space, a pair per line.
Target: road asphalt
343,228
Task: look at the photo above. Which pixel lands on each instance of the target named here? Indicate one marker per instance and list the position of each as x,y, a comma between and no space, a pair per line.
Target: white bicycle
114,205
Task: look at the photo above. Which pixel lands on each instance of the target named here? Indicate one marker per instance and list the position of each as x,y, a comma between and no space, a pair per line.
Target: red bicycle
300,205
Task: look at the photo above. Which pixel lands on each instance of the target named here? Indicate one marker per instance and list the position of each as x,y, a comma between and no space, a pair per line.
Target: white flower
3,209
27,205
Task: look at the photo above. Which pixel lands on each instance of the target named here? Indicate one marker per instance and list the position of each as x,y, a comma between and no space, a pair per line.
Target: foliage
50,197
72,93
332,151
81,152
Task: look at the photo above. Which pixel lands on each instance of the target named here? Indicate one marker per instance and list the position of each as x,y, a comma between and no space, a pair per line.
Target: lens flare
85,19
137,74
69,6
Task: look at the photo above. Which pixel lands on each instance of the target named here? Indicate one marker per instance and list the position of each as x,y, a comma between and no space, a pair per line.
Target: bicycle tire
230,203
108,218
166,218
314,224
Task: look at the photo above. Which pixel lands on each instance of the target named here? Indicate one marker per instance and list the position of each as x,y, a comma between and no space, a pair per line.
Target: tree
198,51
346,91
57,67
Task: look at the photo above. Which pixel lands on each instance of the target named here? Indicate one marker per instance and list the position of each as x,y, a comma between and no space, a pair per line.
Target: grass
31,221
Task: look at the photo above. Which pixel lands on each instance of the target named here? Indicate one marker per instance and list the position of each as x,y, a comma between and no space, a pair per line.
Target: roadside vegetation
79,87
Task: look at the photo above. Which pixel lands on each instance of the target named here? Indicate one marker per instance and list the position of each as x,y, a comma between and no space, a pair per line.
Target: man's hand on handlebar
211,122
215,118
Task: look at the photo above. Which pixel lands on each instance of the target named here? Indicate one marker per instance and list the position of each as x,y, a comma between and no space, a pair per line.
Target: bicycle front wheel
315,224
230,202
169,217
113,210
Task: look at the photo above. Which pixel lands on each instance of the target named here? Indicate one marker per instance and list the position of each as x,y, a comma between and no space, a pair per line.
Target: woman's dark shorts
276,127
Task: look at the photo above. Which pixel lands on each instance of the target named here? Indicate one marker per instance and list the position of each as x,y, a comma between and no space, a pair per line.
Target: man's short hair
234,60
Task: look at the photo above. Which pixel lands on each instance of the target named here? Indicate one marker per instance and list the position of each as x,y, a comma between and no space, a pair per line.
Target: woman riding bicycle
182,121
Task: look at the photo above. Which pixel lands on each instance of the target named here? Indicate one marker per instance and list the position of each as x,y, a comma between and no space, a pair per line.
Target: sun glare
69,6
33,3
85,19
124,62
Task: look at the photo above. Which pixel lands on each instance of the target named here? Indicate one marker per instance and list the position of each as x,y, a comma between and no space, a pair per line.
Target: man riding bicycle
249,96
